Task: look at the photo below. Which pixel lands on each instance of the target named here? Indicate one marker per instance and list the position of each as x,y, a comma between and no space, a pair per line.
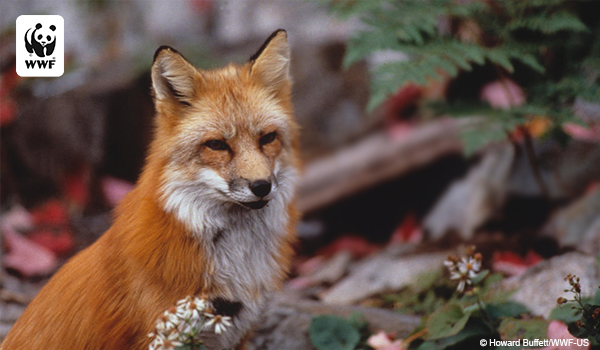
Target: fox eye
268,138
217,145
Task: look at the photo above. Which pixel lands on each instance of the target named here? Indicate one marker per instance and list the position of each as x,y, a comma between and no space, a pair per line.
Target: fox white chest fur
241,245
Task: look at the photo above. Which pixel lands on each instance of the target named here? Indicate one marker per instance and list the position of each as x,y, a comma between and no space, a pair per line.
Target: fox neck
219,249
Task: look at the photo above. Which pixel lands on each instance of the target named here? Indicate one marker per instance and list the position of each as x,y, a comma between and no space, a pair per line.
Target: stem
532,159
410,339
579,302
486,317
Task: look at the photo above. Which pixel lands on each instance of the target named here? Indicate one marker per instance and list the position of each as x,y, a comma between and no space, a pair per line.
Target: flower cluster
588,326
465,268
575,289
181,325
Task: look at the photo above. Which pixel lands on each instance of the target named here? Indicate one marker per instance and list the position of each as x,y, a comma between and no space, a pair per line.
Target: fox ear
271,64
173,77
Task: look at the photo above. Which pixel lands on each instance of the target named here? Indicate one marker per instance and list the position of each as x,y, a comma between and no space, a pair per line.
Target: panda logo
41,40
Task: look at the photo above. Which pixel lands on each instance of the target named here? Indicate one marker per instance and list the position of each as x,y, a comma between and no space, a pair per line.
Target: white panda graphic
41,40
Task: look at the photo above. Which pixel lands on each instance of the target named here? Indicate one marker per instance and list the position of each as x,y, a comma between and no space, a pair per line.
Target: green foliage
549,22
446,322
455,321
506,309
582,315
589,324
474,330
514,329
329,332
190,347
550,47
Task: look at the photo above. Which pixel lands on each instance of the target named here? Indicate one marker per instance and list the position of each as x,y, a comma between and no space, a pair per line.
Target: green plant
549,47
583,315
328,332
477,311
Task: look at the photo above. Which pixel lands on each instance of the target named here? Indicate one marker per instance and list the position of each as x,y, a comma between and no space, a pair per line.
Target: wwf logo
41,40
40,45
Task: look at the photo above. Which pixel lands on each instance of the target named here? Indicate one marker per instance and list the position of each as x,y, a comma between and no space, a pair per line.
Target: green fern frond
430,60
550,47
549,23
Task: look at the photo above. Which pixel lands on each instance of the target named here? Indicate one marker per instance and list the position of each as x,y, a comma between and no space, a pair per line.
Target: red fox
212,214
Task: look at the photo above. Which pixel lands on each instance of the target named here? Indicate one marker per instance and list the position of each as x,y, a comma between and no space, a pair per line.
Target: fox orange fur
212,213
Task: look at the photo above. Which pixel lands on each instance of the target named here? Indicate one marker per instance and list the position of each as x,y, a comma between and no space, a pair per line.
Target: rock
282,328
578,225
540,286
470,202
286,322
382,273
332,270
565,171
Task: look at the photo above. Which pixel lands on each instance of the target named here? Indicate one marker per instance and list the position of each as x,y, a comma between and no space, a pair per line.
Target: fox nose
261,188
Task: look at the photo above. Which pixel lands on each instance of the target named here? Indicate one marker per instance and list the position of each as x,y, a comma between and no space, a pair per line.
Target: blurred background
426,125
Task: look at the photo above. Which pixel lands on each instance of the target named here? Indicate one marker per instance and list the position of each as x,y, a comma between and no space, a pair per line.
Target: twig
532,159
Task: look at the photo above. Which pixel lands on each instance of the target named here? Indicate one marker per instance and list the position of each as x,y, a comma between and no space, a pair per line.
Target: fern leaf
549,23
501,58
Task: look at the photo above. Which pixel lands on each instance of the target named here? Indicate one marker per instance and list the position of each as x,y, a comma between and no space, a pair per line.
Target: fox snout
260,188
252,194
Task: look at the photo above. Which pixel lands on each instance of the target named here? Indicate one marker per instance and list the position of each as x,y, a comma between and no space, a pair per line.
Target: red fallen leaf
503,94
8,107
358,246
398,103
396,106
308,266
27,257
9,80
8,111
408,231
511,263
300,283
53,212
115,189
59,243
398,129
75,185
591,133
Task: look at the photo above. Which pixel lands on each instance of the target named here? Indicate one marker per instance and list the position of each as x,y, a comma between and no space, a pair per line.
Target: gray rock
332,270
382,273
471,201
578,225
540,286
286,322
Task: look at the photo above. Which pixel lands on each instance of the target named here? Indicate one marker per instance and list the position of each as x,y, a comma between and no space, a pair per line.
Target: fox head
225,138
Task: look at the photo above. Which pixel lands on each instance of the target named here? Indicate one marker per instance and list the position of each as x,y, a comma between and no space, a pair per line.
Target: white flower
220,322
469,266
449,264
190,307
165,341
465,269
461,286
167,321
